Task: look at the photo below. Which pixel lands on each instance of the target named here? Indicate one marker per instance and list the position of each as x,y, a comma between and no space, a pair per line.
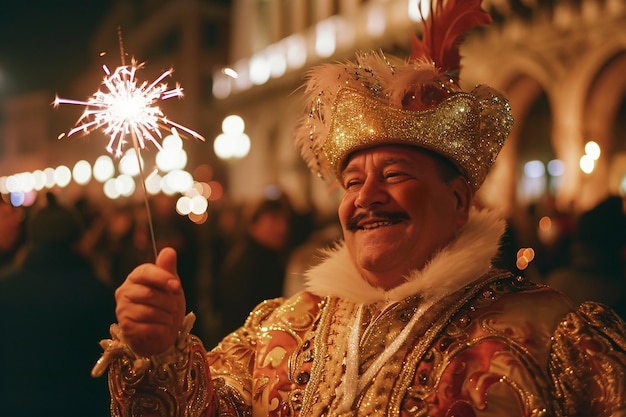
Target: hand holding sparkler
151,305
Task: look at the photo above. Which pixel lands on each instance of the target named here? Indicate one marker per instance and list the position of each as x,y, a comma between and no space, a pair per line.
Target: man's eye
352,183
394,174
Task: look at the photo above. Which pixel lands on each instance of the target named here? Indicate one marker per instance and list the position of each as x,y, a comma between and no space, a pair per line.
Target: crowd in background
247,252
61,262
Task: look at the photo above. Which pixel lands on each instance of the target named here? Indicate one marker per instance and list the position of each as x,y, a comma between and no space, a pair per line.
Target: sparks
122,107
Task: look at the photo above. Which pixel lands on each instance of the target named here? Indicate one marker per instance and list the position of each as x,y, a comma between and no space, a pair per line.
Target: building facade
561,63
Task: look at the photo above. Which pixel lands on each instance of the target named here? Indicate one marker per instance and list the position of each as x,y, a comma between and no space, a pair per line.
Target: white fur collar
464,260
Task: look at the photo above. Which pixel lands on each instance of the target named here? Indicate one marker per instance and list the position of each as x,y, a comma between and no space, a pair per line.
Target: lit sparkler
122,107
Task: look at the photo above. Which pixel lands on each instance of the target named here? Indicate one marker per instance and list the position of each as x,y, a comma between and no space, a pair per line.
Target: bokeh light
82,172
103,168
62,176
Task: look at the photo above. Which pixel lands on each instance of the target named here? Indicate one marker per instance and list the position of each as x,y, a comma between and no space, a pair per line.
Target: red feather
447,22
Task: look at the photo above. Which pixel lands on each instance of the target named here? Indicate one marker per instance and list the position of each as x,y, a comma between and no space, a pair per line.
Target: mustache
392,216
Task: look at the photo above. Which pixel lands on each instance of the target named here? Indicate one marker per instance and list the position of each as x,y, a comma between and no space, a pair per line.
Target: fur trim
463,261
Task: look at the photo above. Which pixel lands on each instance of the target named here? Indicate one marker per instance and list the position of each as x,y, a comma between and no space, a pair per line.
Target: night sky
44,44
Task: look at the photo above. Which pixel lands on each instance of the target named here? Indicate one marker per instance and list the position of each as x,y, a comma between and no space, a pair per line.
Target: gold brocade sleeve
588,363
232,364
176,383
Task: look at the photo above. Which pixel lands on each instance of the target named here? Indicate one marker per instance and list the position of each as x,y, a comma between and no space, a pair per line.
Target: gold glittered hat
379,99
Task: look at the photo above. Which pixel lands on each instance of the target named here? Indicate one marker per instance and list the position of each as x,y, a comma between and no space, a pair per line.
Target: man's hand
151,305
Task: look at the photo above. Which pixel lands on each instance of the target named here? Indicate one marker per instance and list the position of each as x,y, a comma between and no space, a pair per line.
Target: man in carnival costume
406,316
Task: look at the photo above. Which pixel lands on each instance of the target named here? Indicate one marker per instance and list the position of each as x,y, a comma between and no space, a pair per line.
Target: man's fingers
167,260
145,317
155,303
148,275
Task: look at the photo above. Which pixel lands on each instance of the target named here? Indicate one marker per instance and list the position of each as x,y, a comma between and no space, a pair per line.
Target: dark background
44,44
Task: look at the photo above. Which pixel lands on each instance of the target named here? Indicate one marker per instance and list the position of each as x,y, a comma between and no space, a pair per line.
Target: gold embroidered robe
506,347
457,339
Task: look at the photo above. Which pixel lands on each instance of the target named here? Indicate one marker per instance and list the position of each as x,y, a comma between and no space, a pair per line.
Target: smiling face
398,211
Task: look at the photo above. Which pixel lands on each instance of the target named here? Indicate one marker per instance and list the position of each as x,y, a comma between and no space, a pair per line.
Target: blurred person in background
254,267
11,234
118,244
309,254
597,270
53,310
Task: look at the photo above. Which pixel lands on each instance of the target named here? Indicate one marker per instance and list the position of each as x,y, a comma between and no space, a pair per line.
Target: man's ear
464,196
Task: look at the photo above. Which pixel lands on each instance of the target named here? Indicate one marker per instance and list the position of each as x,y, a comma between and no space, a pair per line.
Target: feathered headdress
379,99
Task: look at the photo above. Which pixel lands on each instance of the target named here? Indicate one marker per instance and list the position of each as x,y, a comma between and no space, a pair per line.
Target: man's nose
372,192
